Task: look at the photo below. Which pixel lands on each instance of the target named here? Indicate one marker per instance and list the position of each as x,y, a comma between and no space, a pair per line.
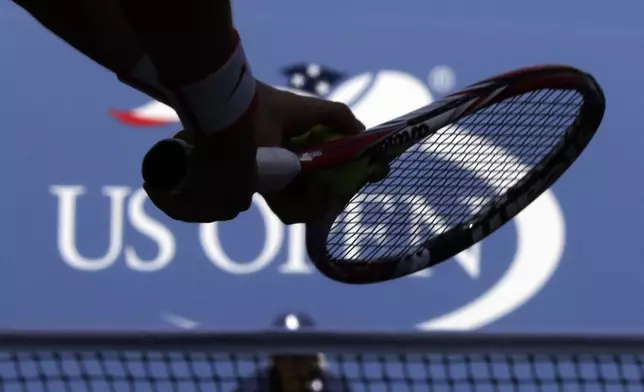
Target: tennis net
369,362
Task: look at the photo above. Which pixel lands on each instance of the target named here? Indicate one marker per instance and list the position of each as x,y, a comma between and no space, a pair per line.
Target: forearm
186,39
193,46
182,42
98,30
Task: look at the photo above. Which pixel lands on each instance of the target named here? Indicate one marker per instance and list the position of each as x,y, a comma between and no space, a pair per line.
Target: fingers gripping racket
458,170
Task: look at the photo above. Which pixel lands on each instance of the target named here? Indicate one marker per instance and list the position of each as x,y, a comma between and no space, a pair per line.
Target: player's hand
283,115
220,179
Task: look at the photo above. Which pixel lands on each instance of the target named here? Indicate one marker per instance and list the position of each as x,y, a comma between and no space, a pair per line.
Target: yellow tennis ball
342,180
347,179
316,135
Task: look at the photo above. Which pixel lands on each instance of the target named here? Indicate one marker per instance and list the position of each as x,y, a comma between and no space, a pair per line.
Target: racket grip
165,166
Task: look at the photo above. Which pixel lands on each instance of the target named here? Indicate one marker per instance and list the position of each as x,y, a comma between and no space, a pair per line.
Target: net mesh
453,175
350,369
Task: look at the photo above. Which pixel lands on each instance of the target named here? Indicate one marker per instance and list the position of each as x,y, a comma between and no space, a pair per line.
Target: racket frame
387,141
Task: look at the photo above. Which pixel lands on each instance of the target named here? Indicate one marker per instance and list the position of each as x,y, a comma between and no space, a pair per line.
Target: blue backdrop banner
84,248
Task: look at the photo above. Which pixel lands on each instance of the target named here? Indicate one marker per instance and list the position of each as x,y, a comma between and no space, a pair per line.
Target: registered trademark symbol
441,79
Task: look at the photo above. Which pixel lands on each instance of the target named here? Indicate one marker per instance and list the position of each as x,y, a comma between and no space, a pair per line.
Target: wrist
217,101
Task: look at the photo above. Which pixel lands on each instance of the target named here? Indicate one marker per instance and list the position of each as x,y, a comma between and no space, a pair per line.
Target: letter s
152,229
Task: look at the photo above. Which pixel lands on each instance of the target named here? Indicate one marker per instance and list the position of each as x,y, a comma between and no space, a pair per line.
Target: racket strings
450,177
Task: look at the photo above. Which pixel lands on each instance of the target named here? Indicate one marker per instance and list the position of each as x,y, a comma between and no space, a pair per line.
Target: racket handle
165,166
276,168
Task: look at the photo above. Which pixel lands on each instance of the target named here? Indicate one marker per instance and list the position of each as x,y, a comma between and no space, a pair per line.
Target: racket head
460,169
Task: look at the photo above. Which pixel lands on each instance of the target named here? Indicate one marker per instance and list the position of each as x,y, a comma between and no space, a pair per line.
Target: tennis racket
419,189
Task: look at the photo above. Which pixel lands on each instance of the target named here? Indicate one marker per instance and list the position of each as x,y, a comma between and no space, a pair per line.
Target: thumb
335,115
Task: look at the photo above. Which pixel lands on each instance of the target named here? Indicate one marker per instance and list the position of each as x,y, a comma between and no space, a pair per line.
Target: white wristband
220,99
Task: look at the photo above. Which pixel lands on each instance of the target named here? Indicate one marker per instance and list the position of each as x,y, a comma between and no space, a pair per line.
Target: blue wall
82,248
